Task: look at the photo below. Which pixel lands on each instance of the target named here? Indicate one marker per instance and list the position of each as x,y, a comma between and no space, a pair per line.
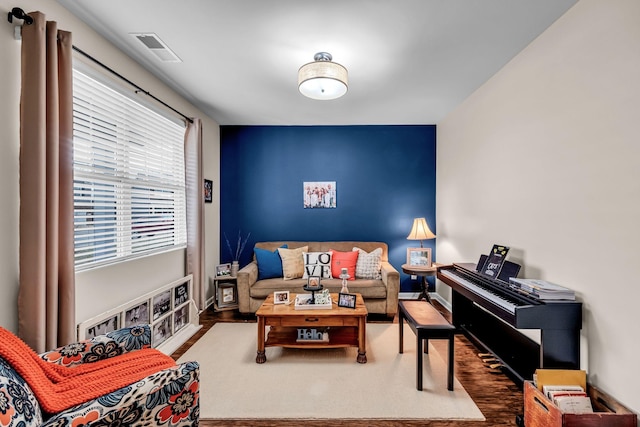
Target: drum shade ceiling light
322,79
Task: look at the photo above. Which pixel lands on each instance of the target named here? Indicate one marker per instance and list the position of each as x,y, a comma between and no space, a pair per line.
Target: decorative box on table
301,303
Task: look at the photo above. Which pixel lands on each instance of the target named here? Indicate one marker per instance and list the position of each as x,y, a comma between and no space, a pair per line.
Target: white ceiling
409,61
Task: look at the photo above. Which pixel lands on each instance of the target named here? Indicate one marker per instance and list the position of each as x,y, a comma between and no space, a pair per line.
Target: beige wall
544,157
102,288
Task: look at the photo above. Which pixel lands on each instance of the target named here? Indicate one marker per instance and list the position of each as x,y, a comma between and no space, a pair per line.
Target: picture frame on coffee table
313,282
347,300
281,297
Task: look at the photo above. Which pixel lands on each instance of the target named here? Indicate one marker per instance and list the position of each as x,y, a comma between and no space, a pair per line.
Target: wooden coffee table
347,326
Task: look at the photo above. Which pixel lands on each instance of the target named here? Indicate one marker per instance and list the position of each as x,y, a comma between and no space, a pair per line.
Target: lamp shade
420,230
322,79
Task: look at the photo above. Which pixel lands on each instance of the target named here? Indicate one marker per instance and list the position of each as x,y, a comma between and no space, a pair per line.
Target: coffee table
347,326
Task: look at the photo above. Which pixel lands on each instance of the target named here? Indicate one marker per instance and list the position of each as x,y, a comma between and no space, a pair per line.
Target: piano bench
427,323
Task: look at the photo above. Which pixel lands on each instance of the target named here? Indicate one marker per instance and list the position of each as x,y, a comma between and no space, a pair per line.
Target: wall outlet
414,277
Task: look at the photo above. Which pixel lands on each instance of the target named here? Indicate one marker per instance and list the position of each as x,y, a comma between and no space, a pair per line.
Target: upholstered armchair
168,397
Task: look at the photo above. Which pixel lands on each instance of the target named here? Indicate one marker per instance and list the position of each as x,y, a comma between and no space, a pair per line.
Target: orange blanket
58,388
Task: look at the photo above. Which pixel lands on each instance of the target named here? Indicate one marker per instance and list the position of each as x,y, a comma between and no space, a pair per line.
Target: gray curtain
46,299
195,210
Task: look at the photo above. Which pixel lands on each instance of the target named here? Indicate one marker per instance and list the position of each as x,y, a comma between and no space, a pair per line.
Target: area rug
323,383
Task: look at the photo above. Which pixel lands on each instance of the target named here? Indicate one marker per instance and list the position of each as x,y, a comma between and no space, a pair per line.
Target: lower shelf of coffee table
345,336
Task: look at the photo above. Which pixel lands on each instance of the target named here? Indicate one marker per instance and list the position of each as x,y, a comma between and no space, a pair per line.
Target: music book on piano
542,289
495,260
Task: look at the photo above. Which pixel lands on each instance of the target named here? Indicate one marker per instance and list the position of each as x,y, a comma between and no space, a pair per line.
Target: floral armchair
167,398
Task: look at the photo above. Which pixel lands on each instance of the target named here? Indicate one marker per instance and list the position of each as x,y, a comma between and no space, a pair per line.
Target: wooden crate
541,412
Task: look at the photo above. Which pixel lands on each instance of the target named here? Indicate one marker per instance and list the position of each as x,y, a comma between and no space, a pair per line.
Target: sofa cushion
18,404
368,264
317,264
292,262
269,263
340,260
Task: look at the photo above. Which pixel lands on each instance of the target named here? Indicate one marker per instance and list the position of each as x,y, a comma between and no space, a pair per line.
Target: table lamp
420,231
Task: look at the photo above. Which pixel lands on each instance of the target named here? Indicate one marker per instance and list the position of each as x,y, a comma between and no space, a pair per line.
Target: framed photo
161,304
208,191
138,315
281,297
106,325
161,331
313,282
181,294
347,300
419,257
319,195
227,295
223,269
180,318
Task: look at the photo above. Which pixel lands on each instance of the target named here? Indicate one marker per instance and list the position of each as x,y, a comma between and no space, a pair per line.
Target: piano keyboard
482,292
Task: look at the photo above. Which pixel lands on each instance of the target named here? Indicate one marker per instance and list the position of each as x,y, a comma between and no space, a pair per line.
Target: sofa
167,397
380,293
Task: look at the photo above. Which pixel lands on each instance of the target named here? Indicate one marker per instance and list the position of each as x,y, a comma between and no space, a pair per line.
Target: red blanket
58,388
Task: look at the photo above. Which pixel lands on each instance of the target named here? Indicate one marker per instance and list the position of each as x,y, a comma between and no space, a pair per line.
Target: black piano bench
426,322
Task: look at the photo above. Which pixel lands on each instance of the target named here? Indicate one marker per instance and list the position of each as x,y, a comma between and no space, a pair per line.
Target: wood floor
499,399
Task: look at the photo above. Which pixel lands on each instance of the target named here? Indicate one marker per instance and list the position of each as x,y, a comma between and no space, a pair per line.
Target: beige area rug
324,383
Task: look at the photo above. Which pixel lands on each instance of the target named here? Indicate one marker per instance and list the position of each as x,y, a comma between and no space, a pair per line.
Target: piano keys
490,313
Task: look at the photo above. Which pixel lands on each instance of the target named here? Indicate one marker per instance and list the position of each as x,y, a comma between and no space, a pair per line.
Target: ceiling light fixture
322,79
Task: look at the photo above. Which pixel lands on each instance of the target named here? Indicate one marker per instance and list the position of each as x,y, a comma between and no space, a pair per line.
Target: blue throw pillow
269,263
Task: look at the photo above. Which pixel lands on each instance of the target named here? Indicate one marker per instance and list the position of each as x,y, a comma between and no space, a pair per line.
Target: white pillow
368,264
317,264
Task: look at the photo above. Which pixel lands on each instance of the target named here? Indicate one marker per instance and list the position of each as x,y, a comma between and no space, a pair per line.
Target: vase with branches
235,254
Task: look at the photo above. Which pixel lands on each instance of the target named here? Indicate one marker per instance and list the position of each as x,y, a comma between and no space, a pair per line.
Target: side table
422,272
225,293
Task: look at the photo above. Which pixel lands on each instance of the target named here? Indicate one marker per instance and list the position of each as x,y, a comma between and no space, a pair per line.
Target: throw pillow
292,263
368,265
340,260
269,263
317,264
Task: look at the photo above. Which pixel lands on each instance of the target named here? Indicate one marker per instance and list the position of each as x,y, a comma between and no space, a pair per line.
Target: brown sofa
380,296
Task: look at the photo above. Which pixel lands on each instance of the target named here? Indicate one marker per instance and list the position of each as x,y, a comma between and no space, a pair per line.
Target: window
129,188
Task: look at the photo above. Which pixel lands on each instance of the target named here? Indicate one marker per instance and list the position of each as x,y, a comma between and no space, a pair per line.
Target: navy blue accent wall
385,177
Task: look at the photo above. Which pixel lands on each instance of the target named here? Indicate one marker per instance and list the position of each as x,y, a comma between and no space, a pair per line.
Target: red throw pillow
340,260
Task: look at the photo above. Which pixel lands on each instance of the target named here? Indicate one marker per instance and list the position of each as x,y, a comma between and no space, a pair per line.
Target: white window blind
129,188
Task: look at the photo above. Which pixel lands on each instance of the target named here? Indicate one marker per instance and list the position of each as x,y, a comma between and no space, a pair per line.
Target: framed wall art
208,191
319,194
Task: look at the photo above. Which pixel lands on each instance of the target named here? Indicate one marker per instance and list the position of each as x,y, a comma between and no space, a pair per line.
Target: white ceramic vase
234,268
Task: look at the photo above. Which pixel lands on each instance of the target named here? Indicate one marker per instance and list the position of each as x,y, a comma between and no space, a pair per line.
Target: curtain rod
20,14
139,89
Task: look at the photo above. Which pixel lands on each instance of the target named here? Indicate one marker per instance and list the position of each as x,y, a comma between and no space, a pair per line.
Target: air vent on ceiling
157,46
